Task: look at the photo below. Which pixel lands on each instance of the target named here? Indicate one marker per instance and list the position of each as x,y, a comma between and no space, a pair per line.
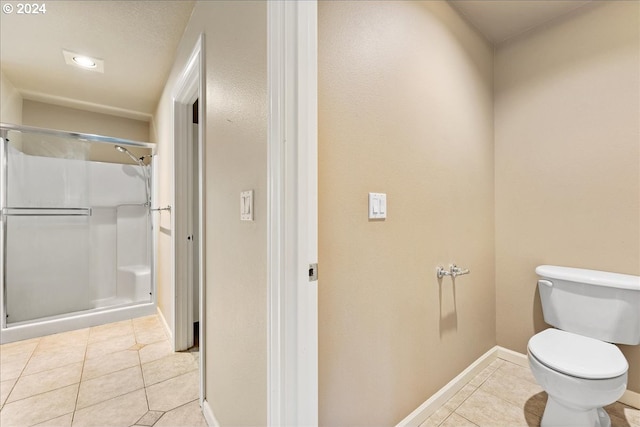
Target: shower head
127,152
140,163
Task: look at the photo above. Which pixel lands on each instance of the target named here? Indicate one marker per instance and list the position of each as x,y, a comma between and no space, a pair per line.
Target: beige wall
70,119
10,102
57,117
567,159
405,108
236,159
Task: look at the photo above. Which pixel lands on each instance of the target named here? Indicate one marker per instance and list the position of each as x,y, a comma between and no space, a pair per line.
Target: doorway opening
193,234
189,323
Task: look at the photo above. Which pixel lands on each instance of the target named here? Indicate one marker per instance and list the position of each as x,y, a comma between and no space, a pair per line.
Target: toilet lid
576,355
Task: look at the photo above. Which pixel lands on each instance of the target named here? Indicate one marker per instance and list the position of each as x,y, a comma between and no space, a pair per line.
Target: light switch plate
377,205
246,205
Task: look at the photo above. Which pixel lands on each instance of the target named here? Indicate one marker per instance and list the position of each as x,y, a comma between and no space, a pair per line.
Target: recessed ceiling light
83,61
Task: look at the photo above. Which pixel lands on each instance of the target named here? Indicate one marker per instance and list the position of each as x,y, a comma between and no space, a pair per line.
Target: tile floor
506,395
125,374
119,374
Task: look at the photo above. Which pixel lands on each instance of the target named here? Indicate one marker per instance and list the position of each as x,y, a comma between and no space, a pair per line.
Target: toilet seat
577,356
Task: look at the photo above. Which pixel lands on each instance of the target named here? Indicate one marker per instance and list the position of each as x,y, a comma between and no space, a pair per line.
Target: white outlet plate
246,205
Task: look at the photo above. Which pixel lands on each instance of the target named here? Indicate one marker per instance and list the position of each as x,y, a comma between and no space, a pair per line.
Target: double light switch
377,205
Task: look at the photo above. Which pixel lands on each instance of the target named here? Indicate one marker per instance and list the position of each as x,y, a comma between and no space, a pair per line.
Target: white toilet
576,364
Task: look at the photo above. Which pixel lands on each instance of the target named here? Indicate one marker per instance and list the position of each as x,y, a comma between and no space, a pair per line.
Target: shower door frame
22,331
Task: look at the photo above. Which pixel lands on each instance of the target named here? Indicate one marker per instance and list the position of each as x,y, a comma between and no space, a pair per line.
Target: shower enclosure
77,232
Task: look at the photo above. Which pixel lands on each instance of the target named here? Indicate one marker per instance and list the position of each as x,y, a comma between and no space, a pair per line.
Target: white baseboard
167,329
513,356
417,417
441,397
208,414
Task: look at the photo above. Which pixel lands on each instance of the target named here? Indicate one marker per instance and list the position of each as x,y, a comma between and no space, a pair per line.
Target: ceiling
137,41
499,20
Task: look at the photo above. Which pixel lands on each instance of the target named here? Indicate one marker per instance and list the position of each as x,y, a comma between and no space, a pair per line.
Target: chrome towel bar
28,211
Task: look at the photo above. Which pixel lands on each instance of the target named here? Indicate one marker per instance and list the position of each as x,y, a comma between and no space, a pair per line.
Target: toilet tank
596,304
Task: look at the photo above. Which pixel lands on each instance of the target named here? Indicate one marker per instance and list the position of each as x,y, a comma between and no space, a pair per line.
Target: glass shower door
47,268
46,226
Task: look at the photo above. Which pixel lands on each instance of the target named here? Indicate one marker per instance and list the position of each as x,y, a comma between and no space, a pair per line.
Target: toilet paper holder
454,271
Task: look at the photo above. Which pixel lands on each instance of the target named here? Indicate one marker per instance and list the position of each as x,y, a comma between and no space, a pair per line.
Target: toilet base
556,415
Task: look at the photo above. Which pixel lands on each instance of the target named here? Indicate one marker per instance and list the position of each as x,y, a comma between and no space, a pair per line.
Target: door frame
292,213
190,87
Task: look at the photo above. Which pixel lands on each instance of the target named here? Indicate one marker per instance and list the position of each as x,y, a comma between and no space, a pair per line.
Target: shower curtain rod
4,127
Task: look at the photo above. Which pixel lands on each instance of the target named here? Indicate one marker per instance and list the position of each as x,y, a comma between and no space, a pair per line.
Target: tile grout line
504,401
6,401
108,373
59,388
83,365
84,361
448,416
41,393
114,397
465,399
524,409
476,388
177,407
468,384
51,369
453,411
170,378
144,382
107,400
33,354
20,375
40,422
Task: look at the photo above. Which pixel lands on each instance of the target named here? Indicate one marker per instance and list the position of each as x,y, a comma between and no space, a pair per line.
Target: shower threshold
77,320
